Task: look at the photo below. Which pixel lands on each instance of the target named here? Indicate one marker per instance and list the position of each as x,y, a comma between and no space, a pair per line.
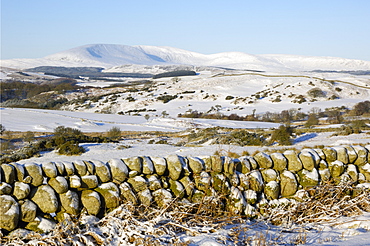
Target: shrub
2,129
241,138
70,148
312,120
316,92
282,135
162,141
114,133
166,98
361,108
62,131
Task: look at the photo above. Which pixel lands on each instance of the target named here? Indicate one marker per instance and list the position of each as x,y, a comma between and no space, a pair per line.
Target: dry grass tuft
179,221
323,203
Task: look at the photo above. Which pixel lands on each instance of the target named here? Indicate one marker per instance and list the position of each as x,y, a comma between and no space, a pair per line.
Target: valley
122,102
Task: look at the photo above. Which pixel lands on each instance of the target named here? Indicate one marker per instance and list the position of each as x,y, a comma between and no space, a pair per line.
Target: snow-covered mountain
110,55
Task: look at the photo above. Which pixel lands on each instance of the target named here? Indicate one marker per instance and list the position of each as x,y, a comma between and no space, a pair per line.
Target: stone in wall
352,154
138,183
162,197
308,178
237,203
160,165
342,154
196,165
127,193
50,170
280,162
203,181
229,165
188,185
35,171
154,183
119,170
89,181
134,164
28,210
251,196
45,198
91,201
70,202
21,190
175,165
60,167
221,184
20,171
368,155
307,160
59,184
269,175
361,178
365,170
75,182
253,163
207,163
320,153
69,168
148,166
90,167
9,173
352,172
294,163
145,197
9,211
243,181
102,171
272,190
80,167
288,184
243,166
197,196
110,193
41,225
264,160
234,179
336,168
177,188
5,188
330,154
325,174
362,154
217,163
256,182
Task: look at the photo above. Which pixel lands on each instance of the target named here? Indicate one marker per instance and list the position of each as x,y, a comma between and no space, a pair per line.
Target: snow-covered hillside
109,55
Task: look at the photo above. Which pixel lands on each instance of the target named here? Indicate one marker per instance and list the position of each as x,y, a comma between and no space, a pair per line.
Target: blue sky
33,29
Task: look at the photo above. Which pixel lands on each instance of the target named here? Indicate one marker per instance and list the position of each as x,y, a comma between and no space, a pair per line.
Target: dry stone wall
33,194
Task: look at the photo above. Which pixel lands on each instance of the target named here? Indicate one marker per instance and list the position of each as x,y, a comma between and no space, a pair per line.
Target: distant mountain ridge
110,55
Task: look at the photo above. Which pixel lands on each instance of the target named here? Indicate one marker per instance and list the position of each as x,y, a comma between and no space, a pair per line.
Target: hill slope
109,55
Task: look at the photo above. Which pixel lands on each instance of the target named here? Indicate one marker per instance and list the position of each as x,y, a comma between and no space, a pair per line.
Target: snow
366,167
313,175
18,119
109,55
22,186
45,224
